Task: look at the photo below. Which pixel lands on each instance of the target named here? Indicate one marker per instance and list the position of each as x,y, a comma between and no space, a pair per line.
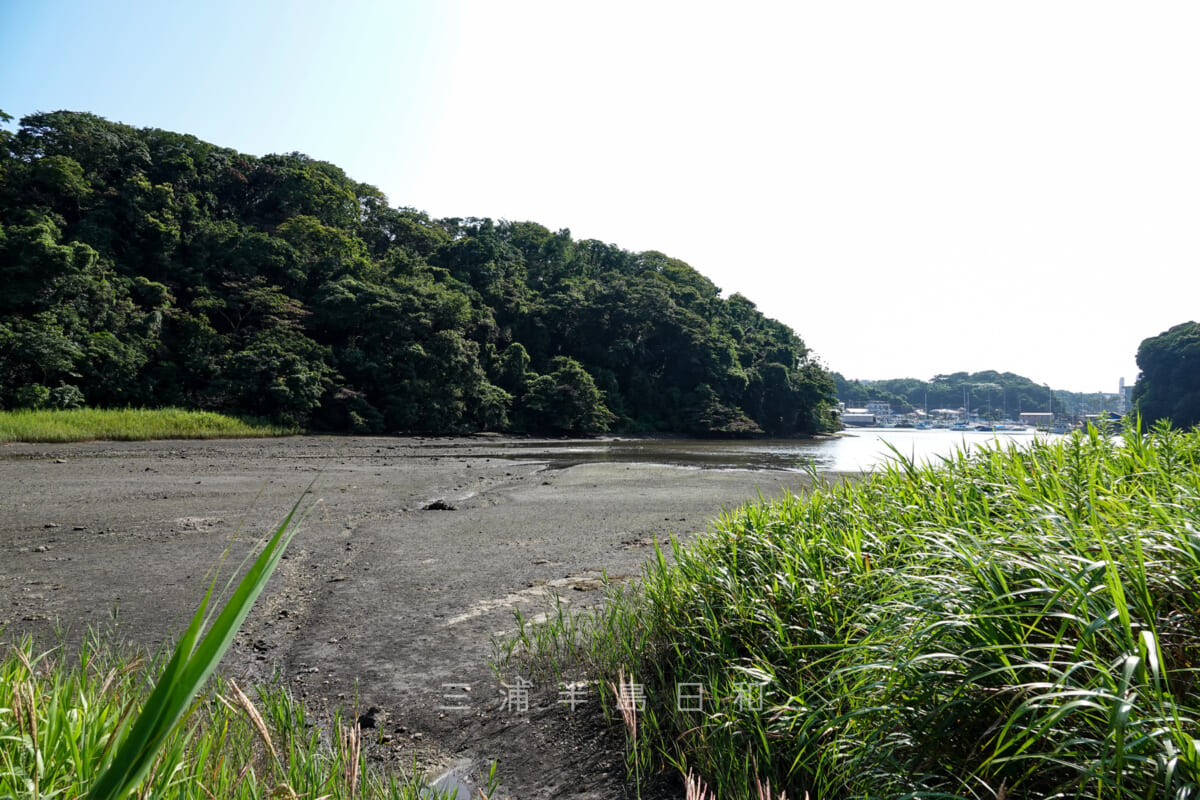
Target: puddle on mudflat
455,782
791,455
858,450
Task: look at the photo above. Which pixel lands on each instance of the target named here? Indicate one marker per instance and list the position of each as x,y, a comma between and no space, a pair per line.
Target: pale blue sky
914,187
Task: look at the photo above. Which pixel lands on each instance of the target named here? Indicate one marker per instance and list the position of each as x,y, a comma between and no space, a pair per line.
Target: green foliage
36,396
1020,622
275,375
32,395
990,394
70,320
143,267
513,369
567,400
65,396
1169,384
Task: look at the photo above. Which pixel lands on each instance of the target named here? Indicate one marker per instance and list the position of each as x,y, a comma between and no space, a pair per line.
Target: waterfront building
857,418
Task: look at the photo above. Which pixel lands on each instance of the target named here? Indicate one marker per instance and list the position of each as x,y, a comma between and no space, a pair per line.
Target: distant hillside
147,268
994,395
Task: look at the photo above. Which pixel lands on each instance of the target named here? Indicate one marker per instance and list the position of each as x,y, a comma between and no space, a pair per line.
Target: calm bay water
857,450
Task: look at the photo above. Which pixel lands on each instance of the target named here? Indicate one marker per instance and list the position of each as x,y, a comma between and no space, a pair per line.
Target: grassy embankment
1019,623
130,424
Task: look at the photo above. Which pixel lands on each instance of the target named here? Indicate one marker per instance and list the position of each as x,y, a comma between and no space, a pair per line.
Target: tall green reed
1021,621
196,656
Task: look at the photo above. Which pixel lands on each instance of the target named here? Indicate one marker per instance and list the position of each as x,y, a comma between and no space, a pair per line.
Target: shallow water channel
856,450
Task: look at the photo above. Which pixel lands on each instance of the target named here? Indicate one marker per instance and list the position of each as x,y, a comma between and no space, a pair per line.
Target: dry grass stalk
115,673
25,711
255,718
24,700
696,790
147,787
353,741
625,702
627,705
764,792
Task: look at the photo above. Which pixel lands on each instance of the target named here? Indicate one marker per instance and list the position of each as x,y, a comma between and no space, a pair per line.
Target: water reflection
856,451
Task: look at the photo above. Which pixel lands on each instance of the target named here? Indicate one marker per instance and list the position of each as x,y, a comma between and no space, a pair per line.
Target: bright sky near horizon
914,187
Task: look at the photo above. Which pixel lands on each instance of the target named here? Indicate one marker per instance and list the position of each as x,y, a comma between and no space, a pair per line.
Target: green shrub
32,395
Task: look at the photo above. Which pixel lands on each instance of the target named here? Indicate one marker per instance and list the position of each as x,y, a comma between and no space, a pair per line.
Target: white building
1126,393
857,418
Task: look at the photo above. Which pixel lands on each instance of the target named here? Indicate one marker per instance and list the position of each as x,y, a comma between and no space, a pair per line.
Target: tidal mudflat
415,552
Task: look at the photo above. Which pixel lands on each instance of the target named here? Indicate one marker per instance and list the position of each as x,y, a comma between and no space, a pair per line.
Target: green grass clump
1021,622
128,424
58,718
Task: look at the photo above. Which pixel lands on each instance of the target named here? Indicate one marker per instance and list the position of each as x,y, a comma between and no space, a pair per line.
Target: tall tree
1169,384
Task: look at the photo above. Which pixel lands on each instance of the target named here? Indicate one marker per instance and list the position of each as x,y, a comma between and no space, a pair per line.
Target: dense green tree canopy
1169,384
143,267
990,394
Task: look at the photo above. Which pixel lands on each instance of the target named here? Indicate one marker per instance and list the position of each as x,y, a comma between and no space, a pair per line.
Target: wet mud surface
414,554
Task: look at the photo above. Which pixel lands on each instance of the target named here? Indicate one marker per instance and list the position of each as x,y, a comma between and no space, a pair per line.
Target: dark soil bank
414,554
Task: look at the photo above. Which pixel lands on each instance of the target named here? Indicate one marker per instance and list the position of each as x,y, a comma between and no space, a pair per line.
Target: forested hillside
990,394
141,267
